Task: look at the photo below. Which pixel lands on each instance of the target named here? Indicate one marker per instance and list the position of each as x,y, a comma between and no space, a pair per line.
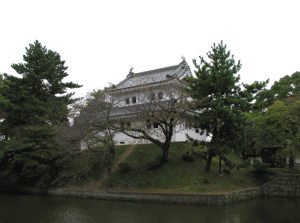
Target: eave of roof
153,76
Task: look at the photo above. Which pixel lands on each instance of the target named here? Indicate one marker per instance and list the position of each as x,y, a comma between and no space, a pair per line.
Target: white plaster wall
122,138
178,136
83,145
296,162
142,97
181,131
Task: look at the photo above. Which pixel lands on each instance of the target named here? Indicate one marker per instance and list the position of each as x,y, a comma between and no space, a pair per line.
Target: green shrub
124,167
196,143
229,164
188,157
293,171
246,164
199,155
259,167
156,163
203,155
240,165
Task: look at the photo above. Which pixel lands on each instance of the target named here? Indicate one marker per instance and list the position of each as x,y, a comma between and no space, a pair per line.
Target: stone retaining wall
161,197
287,185
168,198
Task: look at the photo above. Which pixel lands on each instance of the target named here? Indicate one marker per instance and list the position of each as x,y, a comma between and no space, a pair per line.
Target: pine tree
36,103
39,96
218,96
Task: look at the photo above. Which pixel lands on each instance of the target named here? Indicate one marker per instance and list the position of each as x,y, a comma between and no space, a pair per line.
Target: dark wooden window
134,100
127,101
122,125
148,125
155,125
152,96
160,95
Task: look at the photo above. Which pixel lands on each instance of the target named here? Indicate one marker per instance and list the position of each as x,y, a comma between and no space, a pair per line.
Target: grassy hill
176,176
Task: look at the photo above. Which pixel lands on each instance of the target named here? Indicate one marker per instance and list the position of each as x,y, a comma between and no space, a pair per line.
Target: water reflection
25,208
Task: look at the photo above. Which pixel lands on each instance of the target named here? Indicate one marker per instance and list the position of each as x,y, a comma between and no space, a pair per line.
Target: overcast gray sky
101,40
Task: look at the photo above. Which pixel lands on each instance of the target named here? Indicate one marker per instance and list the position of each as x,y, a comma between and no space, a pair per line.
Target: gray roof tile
154,76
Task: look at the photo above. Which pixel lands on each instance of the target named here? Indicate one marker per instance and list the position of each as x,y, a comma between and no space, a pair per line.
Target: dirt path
121,159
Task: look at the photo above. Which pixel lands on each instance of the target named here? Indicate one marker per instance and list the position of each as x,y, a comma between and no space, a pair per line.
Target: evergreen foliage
276,118
39,96
188,157
221,101
288,86
29,158
31,106
4,102
279,127
259,167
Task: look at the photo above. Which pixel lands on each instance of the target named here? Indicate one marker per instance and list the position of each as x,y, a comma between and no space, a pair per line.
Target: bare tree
91,129
158,113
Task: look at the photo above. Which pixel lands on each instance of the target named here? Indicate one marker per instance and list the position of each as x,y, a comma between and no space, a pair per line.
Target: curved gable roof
154,76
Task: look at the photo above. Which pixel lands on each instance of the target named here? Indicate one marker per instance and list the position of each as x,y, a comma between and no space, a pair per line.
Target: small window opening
155,125
122,125
148,125
127,101
152,96
160,95
134,100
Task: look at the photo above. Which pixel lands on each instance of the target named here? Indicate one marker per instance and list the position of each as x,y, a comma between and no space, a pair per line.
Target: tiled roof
154,76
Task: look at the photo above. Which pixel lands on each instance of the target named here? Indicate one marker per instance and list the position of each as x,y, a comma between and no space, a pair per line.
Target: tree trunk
166,147
166,155
210,154
112,152
110,183
243,154
208,163
291,162
220,164
110,163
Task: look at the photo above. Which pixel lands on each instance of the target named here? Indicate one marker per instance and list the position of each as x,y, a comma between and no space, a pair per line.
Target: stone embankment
288,185
167,198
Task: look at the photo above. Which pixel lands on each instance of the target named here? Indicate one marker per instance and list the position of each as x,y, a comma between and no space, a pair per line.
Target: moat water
46,209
